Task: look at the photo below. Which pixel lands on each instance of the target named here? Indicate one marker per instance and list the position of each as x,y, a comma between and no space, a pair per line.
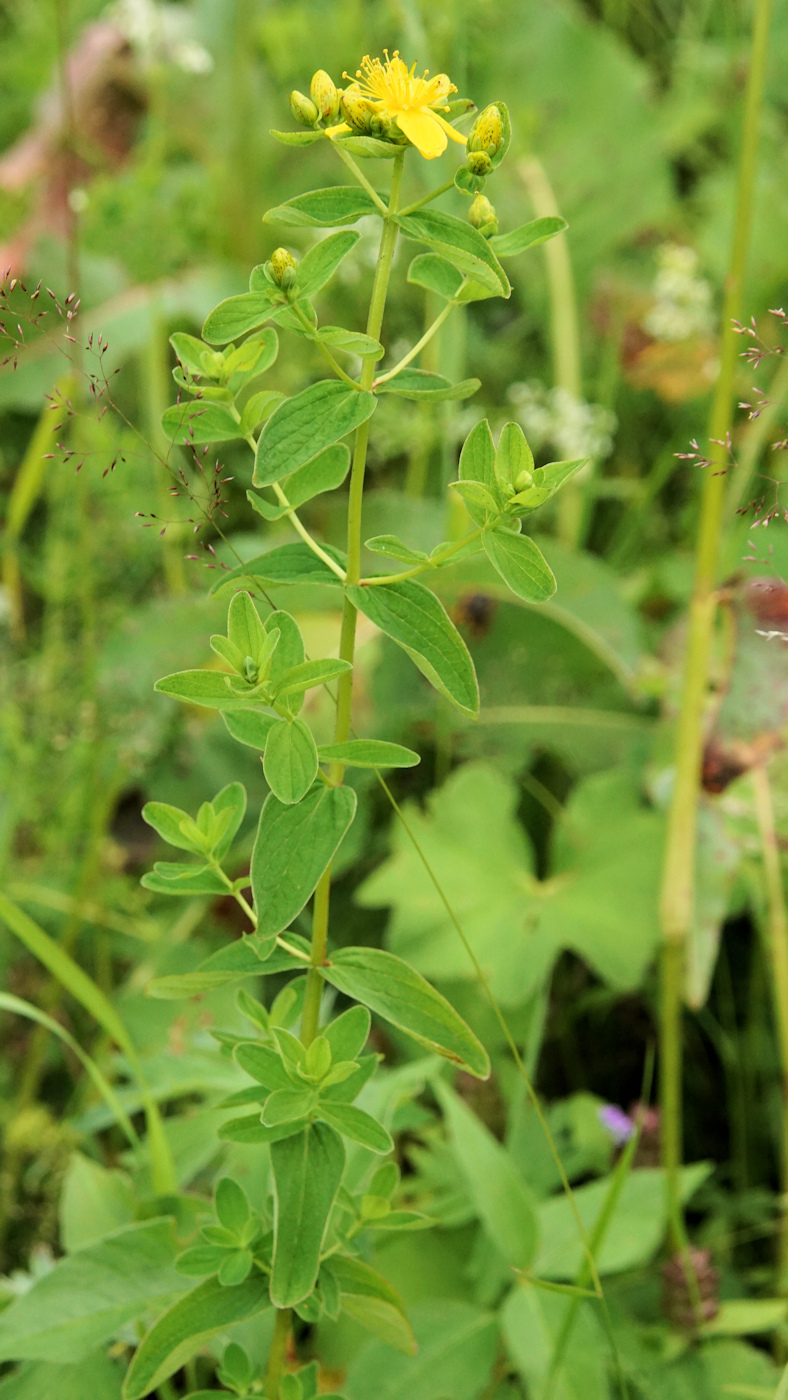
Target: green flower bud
523,480
379,124
487,132
482,215
357,110
283,266
325,96
303,109
479,163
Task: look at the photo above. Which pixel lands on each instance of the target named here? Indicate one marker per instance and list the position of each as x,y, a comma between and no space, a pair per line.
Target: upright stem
678,883
777,948
277,1354
347,644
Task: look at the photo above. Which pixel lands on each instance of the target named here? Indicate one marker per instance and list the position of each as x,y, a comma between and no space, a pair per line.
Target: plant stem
348,160
777,948
347,644
324,350
419,346
678,881
564,331
426,199
277,1354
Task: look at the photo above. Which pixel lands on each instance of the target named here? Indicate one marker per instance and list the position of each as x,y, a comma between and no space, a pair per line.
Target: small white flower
572,427
682,300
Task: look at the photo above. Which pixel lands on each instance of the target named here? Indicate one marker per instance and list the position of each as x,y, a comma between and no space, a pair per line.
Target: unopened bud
379,124
283,267
482,215
523,480
479,163
323,92
357,110
487,133
303,108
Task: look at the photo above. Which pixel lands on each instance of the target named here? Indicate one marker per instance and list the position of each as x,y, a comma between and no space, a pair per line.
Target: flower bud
379,124
487,132
523,480
283,266
323,92
303,109
479,163
482,215
357,110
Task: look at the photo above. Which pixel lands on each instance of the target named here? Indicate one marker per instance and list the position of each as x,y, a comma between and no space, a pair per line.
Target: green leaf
207,688
199,421
370,1299
237,315
422,384
744,1317
235,1267
349,1033
293,847
357,1125
307,1170
460,243
189,882
238,960
254,357
289,563
457,1345
264,1065
331,208
201,1260
231,798
521,565
308,674
532,1320
186,1327
512,455
94,1202
479,500
508,245
244,628
368,146
324,473
290,763
90,1294
321,262
98,1377
194,354
166,820
288,1105
232,1207
259,408
477,464
252,1132
392,547
436,274
414,618
305,425
288,655
352,342
250,727
298,138
368,753
503,1202
395,991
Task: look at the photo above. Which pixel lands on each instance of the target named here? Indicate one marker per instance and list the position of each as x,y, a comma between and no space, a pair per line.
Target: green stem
362,179
678,880
426,199
277,1354
347,643
324,350
777,947
297,525
419,346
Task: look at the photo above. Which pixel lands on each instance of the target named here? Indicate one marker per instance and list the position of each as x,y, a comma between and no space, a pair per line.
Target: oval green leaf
521,565
368,753
237,315
331,208
460,243
293,847
290,763
306,424
199,421
307,1171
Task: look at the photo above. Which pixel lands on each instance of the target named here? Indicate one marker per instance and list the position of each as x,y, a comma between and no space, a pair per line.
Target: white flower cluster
161,34
572,427
682,300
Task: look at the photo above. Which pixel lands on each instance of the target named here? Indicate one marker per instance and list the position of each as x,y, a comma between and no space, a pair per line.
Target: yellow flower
397,93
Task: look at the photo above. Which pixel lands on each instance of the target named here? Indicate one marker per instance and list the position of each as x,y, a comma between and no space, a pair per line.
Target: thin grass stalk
678,882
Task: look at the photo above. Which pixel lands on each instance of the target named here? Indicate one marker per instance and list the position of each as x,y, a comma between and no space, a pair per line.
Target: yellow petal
340,130
449,129
424,130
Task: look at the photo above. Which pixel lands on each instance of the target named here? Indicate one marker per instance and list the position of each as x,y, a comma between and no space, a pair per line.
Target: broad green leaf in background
307,1170
460,244
532,1319
521,564
508,245
368,753
435,274
370,1299
290,763
237,315
293,847
504,1203
97,1377
395,991
321,262
414,618
457,1345
200,421
288,563
231,964
305,425
331,208
91,1293
94,1202
324,473
423,385
206,1311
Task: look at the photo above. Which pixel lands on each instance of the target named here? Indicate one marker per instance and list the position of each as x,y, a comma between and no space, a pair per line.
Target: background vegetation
544,822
